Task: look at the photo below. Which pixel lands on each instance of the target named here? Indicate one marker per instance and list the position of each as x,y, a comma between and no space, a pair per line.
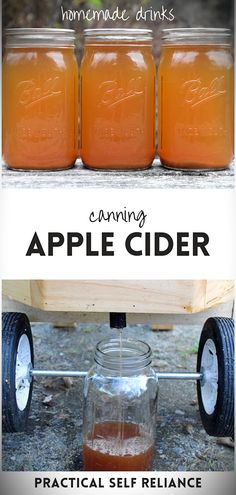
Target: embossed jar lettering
40,99
196,92
195,99
111,94
31,92
118,99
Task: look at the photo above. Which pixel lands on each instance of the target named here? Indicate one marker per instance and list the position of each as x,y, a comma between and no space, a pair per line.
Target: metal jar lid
39,37
118,34
196,36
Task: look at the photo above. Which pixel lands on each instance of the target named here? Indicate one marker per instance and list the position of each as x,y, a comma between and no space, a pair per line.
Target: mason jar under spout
120,399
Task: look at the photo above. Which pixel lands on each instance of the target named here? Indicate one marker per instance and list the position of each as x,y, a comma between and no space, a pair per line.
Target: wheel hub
209,383
22,377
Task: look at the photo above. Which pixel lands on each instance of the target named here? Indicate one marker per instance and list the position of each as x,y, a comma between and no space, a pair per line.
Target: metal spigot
118,320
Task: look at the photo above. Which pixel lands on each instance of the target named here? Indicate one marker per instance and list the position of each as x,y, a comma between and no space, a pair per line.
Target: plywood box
130,296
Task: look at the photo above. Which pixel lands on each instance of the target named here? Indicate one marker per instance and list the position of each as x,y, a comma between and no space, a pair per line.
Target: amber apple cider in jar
40,99
195,99
118,99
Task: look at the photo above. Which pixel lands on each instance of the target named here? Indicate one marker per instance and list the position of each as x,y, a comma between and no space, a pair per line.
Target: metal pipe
59,373
81,374
179,376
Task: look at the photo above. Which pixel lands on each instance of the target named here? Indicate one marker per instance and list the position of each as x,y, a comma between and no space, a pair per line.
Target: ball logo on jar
112,94
31,93
196,92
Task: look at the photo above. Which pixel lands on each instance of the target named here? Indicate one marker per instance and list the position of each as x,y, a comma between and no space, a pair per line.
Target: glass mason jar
118,99
40,99
195,99
120,398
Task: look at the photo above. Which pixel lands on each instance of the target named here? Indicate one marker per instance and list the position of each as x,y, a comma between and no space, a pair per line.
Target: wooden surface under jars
156,177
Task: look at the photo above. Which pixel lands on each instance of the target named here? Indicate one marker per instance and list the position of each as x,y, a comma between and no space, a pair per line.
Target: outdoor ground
54,434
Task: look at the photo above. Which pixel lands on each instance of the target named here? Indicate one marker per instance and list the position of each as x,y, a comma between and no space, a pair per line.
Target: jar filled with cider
195,99
120,398
40,99
118,99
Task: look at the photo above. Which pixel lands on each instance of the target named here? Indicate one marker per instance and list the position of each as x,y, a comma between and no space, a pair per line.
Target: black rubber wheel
216,390
17,356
